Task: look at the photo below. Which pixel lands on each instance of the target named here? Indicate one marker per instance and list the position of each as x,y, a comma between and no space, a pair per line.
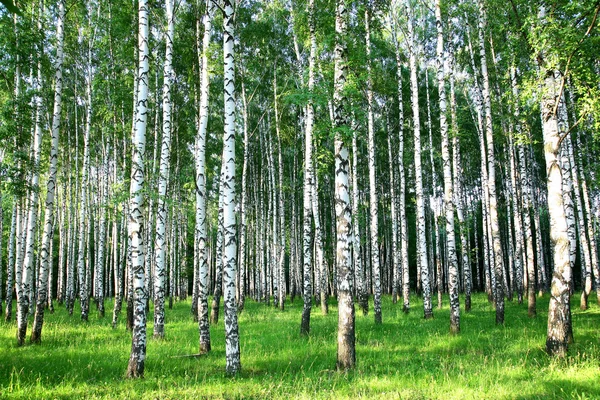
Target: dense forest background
446,109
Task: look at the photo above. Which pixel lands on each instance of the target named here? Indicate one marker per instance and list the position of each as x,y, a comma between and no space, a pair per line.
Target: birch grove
249,152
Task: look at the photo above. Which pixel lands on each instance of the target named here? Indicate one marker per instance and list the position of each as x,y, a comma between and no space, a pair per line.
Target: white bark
421,238
346,355
493,207
402,185
308,176
135,226
448,189
48,235
373,212
163,179
232,340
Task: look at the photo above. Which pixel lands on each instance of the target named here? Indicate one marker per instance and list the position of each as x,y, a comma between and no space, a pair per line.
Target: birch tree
372,181
308,176
48,234
346,354
448,189
232,340
163,179
421,238
135,368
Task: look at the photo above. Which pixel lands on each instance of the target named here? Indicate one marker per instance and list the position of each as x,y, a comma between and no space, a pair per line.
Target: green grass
405,357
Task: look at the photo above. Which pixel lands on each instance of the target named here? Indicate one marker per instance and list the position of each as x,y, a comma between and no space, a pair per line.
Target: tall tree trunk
346,354
135,368
361,289
448,189
46,261
421,238
458,192
232,340
372,182
493,207
163,180
308,177
243,207
402,184
589,224
26,280
559,312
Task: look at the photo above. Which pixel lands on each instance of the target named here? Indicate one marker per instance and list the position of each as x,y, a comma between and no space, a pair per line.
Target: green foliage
405,357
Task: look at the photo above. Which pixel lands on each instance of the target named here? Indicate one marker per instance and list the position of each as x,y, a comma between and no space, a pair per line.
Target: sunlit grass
405,357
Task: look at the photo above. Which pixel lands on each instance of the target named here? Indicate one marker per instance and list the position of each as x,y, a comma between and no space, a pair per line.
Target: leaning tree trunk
559,312
46,262
232,340
346,354
135,229
448,195
163,181
421,237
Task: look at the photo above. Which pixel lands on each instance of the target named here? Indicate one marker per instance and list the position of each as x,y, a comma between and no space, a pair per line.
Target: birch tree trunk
243,207
421,238
232,340
163,180
308,176
361,289
46,261
589,225
559,312
458,192
402,184
26,280
493,207
135,368
10,266
375,267
448,189
346,354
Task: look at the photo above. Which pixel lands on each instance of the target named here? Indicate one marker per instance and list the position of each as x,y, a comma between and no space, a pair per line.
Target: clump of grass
405,357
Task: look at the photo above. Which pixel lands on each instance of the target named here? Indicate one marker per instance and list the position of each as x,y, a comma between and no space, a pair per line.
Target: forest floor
405,357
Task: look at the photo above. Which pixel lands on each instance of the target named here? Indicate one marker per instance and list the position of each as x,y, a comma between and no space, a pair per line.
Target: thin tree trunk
27,276
308,177
421,238
448,192
163,180
372,182
493,208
